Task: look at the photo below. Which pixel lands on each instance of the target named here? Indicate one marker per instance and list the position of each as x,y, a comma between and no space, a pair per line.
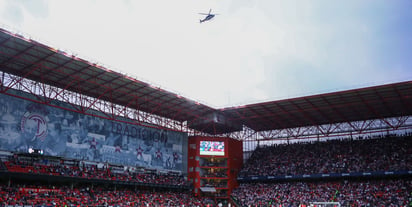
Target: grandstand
76,133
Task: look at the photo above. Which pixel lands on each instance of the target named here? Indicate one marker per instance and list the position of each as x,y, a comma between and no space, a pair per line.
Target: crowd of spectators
88,195
388,193
21,164
48,195
336,156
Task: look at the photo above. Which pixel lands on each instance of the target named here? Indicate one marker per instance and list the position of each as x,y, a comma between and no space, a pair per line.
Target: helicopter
208,17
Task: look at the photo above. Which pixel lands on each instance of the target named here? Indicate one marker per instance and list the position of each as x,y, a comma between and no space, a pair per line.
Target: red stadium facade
213,165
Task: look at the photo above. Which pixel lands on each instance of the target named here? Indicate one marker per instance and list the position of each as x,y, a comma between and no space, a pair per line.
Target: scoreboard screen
212,148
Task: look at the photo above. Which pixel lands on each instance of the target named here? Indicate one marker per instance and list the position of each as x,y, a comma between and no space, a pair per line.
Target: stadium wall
232,156
26,124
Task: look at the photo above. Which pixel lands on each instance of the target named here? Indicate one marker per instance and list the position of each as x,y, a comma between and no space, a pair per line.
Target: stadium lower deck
40,181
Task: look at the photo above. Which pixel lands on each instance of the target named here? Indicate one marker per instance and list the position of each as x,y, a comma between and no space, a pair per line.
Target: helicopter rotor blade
203,14
210,10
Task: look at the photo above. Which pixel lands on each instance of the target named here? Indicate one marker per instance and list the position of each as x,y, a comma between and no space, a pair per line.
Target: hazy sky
253,51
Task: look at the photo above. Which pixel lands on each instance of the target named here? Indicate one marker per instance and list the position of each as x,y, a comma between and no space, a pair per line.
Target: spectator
336,156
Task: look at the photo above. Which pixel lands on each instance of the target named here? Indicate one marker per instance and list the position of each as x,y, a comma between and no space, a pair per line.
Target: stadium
75,133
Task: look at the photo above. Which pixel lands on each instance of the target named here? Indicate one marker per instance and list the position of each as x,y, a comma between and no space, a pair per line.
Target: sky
252,51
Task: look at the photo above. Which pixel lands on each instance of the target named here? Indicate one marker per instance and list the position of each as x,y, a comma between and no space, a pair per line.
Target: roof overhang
384,101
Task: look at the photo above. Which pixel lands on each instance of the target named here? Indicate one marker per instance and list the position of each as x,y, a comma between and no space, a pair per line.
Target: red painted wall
233,154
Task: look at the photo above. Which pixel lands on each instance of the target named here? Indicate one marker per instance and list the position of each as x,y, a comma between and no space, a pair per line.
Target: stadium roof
33,60
392,100
36,61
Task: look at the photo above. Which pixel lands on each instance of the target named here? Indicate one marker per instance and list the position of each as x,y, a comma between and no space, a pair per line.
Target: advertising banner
58,132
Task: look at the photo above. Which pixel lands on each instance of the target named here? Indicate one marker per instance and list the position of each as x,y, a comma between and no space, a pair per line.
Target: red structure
213,171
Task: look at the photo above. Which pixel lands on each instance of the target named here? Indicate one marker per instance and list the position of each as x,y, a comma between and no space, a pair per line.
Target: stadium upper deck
29,59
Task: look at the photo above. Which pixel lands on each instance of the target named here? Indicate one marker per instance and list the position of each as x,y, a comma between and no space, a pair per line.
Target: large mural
58,132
